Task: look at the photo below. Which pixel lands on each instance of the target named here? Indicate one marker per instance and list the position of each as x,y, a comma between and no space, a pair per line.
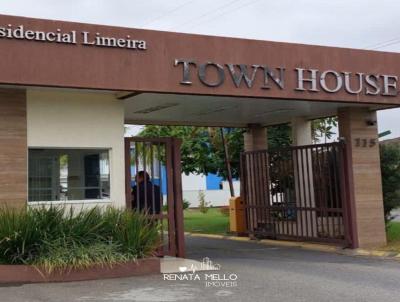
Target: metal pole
227,163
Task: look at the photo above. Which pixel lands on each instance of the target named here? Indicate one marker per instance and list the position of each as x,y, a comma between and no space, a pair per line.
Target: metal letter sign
313,80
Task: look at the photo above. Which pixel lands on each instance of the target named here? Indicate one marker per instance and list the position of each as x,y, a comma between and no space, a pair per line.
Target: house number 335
365,142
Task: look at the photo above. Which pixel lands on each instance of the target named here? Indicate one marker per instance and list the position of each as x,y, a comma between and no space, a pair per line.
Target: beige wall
13,159
80,120
365,174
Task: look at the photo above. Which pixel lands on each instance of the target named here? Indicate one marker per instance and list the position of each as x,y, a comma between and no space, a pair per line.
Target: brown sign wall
28,62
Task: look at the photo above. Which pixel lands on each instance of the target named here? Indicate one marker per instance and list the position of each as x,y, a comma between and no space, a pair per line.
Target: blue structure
213,182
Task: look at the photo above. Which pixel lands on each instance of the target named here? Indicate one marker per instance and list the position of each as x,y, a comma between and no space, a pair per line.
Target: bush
203,204
186,204
390,167
224,210
56,239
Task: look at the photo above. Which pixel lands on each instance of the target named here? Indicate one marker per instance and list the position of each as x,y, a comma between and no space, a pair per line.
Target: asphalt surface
264,273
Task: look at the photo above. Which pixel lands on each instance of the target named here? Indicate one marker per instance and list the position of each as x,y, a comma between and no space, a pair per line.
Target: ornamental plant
390,168
204,206
55,238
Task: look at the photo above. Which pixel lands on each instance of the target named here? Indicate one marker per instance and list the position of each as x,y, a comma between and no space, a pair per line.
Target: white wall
193,182
216,198
71,119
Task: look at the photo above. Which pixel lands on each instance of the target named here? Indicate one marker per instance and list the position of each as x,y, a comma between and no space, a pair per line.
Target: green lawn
393,235
212,222
394,231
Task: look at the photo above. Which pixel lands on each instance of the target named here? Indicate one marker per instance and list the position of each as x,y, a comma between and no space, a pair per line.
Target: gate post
255,184
179,226
128,175
358,126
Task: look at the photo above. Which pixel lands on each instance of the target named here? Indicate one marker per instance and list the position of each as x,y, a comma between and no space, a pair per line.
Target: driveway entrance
293,193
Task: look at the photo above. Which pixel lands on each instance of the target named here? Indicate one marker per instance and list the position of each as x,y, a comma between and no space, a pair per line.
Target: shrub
61,256
203,204
224,210
390,167
134,232
56,239
186,204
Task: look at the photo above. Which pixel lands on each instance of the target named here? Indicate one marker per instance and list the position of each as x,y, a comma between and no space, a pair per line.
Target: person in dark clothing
146,196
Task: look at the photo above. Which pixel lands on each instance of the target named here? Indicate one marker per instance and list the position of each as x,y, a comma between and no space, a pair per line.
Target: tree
390,169
279,136
323,128
196,149
202,149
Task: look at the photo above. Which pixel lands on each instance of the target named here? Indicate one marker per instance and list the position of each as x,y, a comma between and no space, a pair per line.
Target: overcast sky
356,23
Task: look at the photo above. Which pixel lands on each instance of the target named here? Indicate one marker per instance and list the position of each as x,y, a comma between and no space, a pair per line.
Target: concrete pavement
264,273
321,247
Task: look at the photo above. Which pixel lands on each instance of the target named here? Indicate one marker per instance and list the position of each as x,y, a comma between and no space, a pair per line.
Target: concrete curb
22,274
307,246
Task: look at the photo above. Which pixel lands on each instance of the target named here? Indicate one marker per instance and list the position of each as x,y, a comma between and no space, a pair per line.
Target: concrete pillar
301,131
303,174
13,148
255,138
359,129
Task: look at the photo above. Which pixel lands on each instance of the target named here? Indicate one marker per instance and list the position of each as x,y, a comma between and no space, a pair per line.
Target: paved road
264,274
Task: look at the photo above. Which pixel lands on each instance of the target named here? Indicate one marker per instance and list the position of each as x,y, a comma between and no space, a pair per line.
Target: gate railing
296,193
159,192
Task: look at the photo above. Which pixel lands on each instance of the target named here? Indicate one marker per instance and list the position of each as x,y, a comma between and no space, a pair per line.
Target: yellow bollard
237,216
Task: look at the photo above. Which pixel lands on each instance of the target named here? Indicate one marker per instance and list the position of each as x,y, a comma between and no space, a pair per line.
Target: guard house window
68,174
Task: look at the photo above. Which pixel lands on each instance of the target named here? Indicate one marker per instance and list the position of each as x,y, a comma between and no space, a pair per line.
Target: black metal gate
296,193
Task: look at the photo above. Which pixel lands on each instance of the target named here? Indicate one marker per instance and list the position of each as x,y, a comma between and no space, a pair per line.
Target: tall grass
54,238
